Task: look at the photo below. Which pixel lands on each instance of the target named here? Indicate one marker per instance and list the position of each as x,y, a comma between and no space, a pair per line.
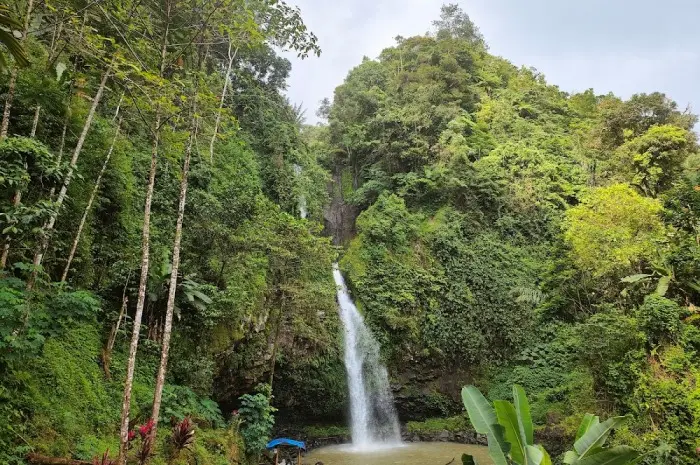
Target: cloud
610,45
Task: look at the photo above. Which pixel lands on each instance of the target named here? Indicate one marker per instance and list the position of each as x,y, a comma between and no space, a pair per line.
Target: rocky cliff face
339,217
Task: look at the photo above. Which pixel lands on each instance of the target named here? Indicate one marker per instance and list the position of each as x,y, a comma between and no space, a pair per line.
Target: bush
610,345
258,419
660,319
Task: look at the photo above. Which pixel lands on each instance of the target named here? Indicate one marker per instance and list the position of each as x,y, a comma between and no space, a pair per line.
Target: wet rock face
339,217
421,392
461,437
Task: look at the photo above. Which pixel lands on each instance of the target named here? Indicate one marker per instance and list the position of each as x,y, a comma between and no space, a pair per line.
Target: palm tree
7,27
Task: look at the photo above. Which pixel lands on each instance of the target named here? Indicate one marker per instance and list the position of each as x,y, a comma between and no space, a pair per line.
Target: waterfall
302,199
373,418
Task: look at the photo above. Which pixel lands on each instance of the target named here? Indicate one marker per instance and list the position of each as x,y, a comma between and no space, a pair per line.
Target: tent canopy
285,442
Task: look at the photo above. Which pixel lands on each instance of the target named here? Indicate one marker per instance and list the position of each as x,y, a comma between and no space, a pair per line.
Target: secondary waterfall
373,418
302,198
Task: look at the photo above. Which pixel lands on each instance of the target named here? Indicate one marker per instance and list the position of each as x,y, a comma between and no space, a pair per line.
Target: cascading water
374,423
302,198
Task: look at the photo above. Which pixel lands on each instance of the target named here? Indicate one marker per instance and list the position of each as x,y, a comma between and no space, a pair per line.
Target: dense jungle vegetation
494,231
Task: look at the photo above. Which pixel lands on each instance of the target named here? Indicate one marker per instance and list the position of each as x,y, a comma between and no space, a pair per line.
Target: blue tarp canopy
285,442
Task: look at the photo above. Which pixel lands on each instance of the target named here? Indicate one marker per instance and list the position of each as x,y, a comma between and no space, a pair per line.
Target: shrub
258,419
660,319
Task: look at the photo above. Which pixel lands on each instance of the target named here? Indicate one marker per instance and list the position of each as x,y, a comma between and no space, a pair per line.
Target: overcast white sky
623,46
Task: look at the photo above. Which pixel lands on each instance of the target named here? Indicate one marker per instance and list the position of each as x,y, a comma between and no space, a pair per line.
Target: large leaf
596,435
546,459
570,457
534,455
505,411
588,420
635,278
662,285
522,409
620,455
497,446
483,418
480,411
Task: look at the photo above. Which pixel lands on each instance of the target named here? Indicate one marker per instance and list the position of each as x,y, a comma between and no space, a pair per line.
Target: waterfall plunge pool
410,453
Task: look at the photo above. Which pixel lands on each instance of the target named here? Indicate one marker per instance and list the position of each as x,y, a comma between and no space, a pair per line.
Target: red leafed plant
183,434
105,460
146,449
146,428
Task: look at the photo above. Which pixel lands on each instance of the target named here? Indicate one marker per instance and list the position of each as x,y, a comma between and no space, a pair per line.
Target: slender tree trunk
5,125
172,290
107,353
61,146
46,230
95,189
221,102
145,257
35,123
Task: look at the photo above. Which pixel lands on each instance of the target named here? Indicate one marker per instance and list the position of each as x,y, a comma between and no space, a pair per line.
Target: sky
619,46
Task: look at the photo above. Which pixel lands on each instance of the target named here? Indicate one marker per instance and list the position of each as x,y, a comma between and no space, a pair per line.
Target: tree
613,230
456,23
654,160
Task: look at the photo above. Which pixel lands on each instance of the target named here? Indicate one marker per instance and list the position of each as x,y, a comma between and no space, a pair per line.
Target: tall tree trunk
46,230
17,198
93,194
172,290
221,102
35,123
62,145
145,257
107,351
5,125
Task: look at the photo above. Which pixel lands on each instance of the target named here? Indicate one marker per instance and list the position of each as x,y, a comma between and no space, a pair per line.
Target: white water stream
302,198
374,423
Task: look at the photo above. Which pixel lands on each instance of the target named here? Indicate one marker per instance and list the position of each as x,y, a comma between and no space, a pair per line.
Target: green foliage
660,319
456,424
258,420
654,159
617,337
613,229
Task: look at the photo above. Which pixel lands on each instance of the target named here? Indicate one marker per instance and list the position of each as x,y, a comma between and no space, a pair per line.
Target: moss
454,424
346,183
327,431
79,403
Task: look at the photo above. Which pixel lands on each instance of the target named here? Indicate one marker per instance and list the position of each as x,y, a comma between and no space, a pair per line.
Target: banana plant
8,26
509,431
589,445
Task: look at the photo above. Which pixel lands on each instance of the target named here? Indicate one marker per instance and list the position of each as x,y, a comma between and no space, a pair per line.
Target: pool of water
414,453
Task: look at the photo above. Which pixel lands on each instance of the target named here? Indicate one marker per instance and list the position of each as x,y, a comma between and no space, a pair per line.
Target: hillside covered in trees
169,225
